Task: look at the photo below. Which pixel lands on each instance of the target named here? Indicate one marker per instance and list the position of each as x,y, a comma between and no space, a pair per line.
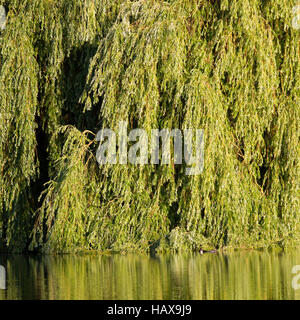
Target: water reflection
240,275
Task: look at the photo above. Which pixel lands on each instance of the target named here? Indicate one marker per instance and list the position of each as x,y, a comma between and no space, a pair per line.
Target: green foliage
69,68
19,106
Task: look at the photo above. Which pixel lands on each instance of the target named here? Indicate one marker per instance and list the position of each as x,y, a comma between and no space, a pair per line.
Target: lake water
238,275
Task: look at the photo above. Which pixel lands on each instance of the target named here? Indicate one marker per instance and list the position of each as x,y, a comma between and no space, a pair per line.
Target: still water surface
238,275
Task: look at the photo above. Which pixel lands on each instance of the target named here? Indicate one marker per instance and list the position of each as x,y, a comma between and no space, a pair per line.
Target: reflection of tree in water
242,275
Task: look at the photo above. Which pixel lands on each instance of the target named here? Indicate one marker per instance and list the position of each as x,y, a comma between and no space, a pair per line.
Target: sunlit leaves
230,68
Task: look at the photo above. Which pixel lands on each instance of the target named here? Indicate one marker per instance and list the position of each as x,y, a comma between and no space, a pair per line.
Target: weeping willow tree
69,68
